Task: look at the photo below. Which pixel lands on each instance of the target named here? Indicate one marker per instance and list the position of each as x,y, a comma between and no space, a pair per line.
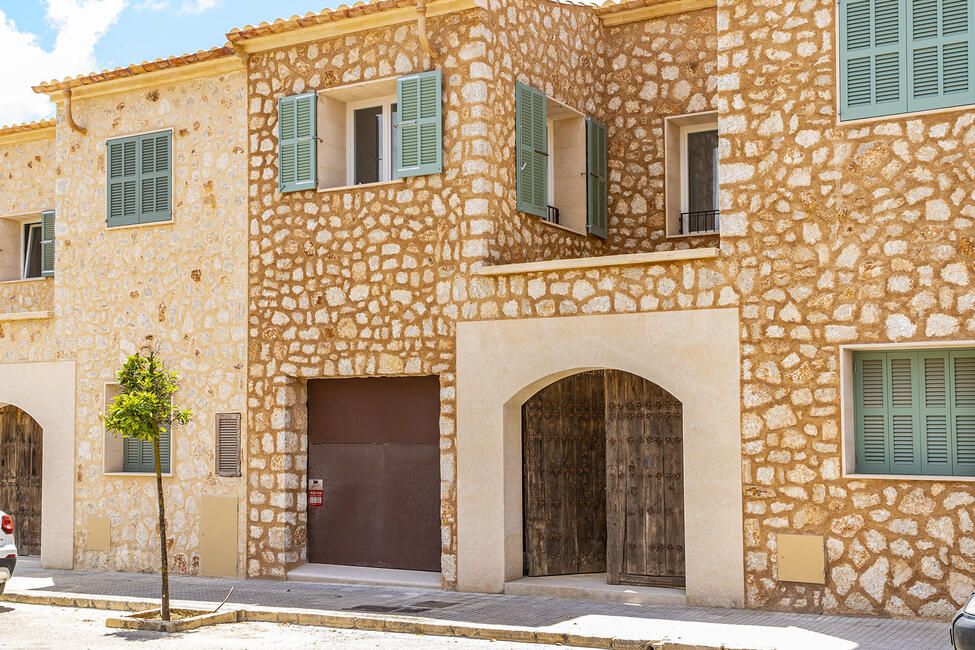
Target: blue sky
57,38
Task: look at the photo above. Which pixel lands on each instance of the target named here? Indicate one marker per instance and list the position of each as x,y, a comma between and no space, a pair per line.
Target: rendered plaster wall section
180,286
501,364
630,77
845,233
359,282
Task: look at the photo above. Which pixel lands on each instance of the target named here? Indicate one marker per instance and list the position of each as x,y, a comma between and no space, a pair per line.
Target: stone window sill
25,280
27,315
361,186
139,474
565,228
601,262
910,477
147,224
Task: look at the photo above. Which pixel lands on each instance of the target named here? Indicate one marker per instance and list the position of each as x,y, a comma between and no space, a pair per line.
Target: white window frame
685,199
388,168
25,245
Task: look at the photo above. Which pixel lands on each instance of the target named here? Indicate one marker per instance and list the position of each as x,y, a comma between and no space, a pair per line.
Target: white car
8,549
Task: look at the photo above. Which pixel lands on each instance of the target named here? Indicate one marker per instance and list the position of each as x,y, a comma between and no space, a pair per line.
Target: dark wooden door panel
375,443
645,503
20,476
563,436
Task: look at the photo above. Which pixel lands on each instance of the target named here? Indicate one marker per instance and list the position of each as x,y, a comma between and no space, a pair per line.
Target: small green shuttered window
900,56
596,173
532,150
915,412
140,179
420,149
137,454
297,143
47,243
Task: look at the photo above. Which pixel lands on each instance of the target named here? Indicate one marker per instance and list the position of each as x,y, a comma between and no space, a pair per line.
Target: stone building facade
835,237
178,285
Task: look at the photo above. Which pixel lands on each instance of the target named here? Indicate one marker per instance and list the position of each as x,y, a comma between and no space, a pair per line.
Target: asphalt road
41,626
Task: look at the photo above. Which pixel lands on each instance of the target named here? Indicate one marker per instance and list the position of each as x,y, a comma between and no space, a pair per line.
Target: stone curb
373,623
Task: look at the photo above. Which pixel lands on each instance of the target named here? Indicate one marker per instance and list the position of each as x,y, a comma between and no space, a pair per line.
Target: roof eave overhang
344,26
640,10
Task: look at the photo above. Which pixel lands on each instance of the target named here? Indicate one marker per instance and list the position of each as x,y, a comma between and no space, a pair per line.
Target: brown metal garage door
375,443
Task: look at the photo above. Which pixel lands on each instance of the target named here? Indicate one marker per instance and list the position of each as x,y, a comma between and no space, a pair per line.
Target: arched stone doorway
602,477
21,449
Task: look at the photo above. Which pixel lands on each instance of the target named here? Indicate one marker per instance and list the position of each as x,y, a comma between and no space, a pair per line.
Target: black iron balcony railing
702,221
553,214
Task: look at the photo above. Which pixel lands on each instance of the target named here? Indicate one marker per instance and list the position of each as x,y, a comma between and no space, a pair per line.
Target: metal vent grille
228,444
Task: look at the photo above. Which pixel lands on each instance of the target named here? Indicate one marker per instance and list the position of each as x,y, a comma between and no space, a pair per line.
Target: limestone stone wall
29,169
358,282
180,286
844,233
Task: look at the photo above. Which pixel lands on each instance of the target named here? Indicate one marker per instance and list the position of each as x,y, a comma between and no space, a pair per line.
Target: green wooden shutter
297,143
155,177
940,54
531,136
123,182
420,146
904,383
870,407
165,451
137,454
597,171
47,243
962,391
873,70
937,444
131,455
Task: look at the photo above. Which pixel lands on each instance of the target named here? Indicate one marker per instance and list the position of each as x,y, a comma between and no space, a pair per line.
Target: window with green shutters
901,56
596,177
419,130
47,243
297,143
915,412
140,179
531,150
137,455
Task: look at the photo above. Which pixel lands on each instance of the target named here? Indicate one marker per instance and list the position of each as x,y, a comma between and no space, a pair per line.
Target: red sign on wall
316,493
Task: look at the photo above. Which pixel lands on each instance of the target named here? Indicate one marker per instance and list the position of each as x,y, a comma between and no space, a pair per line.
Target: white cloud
196,6
79,25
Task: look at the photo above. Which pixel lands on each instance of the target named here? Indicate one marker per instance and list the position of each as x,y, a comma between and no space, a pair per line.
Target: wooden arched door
20,476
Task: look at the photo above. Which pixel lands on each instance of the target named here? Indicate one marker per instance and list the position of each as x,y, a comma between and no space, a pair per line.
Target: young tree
144,411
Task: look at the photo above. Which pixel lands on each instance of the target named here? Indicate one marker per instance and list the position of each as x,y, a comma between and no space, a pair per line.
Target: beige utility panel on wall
218,536
801,558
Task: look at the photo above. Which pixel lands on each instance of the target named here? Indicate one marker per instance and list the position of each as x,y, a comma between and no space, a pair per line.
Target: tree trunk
163,555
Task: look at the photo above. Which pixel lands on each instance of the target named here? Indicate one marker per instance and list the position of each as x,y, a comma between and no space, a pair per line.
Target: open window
27,246
132,456
361,133
691,161
561,163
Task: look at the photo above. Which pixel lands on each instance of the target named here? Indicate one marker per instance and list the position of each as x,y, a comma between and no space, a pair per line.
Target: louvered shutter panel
165,451
905,444
420,145
155,177
131,455
297,143
873,70
937,446
941,54
962,393
47,243
123,182
531,143
597,171
870,390
228,444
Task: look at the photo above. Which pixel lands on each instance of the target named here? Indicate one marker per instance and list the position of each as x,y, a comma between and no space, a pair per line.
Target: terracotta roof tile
311,18
27,127
136,69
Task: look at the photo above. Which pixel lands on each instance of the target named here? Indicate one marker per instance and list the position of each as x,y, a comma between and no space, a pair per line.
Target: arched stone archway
21,456
693,355
602,476
46,392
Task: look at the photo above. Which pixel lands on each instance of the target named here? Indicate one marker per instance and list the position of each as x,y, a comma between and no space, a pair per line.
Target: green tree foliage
144,410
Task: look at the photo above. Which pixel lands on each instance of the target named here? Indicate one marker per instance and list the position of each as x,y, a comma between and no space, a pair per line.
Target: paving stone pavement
734,627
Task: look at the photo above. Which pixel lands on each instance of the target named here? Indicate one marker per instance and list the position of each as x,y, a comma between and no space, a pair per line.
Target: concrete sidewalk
515,618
